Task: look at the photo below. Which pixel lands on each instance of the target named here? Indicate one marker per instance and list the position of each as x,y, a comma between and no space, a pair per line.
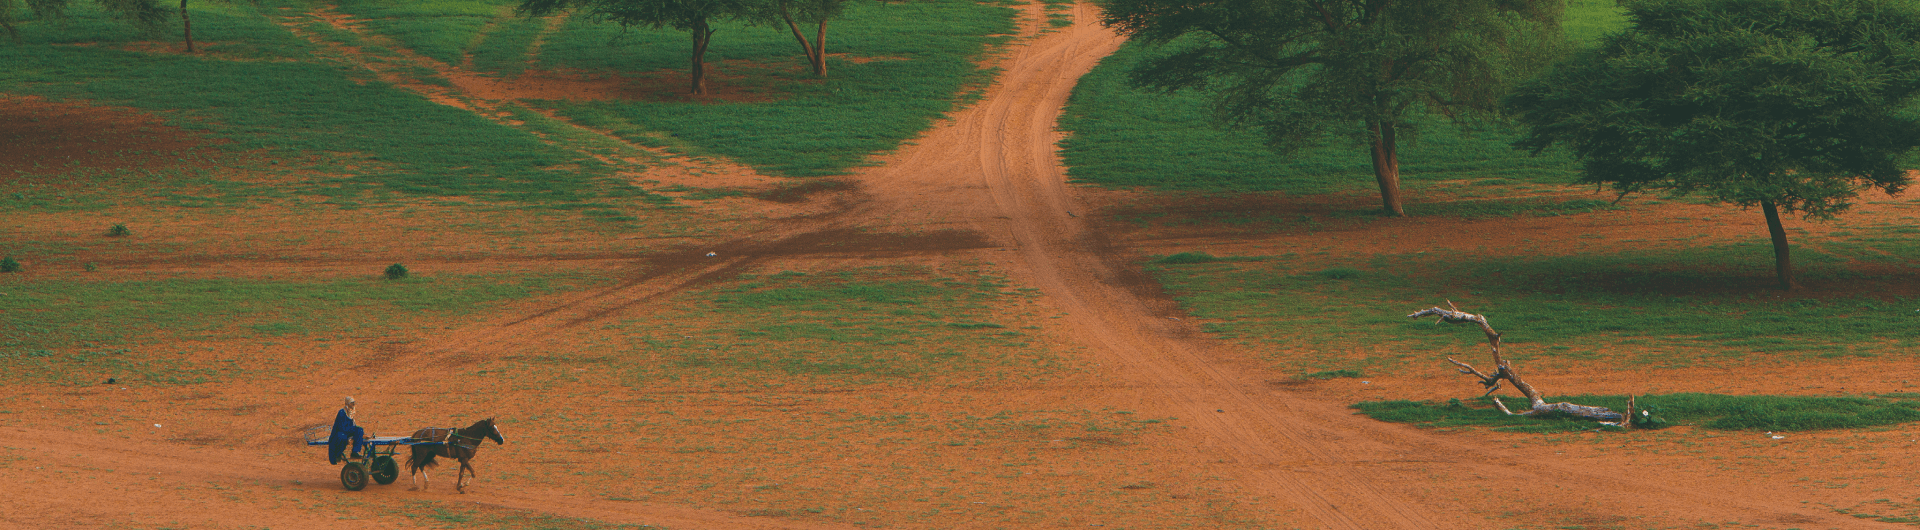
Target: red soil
984,187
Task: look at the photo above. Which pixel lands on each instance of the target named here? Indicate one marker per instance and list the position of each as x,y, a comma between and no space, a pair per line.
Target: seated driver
343,431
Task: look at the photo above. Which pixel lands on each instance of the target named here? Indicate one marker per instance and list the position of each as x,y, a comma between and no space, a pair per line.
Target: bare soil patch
45,137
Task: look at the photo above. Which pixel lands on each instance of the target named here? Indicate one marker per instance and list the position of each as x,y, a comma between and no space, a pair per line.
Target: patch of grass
504,51
1713,411
1334,374
1188,257
702,194
70,316
1505,208
922,59
866,324
8,264
1340,273
375,138
1708,297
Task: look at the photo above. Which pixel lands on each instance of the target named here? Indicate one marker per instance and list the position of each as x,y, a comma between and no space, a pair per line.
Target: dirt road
987,186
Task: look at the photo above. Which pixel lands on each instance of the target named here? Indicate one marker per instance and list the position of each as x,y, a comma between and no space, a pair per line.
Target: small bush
119,230
91,267
8,264
1188,257
1649,418
1339,273
396,271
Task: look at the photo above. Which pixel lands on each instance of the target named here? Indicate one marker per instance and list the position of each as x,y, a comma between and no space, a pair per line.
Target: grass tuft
1188,257
1339,273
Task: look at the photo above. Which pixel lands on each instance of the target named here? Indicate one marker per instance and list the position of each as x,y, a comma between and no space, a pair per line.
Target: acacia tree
1789,105
695,17
1297,69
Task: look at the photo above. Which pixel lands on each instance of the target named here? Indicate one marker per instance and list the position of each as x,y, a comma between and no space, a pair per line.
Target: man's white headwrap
349,406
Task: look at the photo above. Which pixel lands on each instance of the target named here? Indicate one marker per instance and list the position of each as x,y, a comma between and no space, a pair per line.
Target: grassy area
69,330
1123,137
369,136
1713,411
1652,308
895,69
904,65
862,326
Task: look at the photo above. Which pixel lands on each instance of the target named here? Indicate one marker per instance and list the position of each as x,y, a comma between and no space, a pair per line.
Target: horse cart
377,461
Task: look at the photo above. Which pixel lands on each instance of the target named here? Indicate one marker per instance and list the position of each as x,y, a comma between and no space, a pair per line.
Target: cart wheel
353,476
385,471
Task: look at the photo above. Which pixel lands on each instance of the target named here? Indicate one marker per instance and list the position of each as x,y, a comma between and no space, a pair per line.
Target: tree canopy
1299,69
1789,105
692,16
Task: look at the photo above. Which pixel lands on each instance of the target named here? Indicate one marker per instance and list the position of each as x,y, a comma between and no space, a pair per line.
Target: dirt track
989,185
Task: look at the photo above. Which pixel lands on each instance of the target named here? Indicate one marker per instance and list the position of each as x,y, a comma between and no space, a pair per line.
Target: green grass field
856,326
67,332
1649,309
264,90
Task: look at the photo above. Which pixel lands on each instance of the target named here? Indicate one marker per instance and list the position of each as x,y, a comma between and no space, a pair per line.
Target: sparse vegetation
119,230
1713,411
8,264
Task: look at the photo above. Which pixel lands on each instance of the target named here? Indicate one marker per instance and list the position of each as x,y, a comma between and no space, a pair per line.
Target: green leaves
1746,101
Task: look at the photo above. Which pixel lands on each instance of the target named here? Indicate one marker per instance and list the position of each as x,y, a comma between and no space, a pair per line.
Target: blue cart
376,461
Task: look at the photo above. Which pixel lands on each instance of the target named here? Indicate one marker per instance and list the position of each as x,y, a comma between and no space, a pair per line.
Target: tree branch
1503,370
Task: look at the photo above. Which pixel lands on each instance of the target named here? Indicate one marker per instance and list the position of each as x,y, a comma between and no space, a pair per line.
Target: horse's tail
420,460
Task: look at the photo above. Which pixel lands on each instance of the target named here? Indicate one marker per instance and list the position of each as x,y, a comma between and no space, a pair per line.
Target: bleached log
1503,370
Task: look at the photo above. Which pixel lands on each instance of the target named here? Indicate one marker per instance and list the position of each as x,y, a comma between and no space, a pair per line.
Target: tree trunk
1782,259
1386,165
187,24
817,50
701,36
820,50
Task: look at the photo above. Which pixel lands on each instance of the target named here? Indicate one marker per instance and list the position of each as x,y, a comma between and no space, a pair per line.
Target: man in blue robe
345,431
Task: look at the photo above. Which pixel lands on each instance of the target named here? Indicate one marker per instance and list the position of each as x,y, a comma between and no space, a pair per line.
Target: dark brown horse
459,444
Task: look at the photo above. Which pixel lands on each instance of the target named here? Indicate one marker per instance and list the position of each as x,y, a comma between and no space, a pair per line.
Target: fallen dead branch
1503,370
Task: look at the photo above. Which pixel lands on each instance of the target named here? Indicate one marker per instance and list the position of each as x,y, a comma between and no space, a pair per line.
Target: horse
460,444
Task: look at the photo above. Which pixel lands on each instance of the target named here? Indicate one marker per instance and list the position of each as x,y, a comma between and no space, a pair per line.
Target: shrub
1340,273
119,230
8,264
1189,257
396,271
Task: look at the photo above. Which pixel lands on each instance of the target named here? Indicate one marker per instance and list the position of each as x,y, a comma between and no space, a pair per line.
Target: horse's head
492,431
